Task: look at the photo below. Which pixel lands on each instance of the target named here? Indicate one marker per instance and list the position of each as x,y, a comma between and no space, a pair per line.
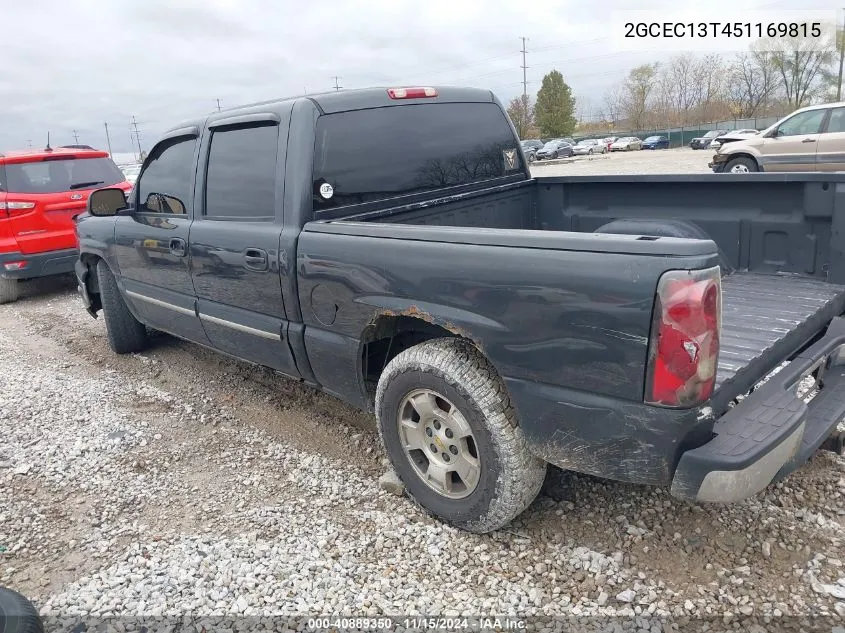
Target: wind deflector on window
387,156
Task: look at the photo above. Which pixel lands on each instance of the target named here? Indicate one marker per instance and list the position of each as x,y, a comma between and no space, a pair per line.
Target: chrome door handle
178,247
255,259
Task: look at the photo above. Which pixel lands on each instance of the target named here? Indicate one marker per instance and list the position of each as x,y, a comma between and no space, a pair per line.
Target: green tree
554,111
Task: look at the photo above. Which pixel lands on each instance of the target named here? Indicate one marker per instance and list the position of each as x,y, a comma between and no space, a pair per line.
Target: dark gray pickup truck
390,247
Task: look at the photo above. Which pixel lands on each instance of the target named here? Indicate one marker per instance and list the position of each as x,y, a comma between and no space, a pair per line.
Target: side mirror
106,202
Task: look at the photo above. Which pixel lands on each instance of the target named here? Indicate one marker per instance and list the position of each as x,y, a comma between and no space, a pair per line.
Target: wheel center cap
439,443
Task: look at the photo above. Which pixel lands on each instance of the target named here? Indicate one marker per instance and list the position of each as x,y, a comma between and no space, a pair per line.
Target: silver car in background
589,146
626,144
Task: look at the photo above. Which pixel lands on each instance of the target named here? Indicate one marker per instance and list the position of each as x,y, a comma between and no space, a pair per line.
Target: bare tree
800,67
680,86
709,79
751,83
522,114
614,107
638,94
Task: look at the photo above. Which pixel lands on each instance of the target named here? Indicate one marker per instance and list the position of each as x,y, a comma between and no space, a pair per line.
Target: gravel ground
180,482
682,160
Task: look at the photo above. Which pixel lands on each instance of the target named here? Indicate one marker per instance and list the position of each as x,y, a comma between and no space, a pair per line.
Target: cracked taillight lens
684,344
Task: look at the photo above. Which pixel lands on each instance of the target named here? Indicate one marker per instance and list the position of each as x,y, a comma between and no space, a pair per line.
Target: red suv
40,194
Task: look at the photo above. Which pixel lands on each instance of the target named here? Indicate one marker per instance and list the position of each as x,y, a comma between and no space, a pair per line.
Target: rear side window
62,174
241,178
370,155
165,183
836,123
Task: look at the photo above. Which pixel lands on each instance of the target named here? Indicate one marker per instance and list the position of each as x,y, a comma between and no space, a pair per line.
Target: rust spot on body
414,312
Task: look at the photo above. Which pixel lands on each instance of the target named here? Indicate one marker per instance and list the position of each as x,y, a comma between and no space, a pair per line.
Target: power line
337,86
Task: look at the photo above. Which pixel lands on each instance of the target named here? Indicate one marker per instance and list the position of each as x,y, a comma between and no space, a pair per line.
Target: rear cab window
65,173
387,155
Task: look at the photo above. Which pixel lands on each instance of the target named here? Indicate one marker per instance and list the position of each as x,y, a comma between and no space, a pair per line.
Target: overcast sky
75,64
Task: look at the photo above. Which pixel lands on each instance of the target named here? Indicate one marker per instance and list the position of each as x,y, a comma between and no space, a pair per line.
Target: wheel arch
390,333
745,154
87,276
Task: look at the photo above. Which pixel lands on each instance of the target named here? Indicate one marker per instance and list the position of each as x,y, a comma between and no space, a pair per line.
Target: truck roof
358,99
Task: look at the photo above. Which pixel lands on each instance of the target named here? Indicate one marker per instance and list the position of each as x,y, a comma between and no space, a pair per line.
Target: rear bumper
772,432
768,435
39,264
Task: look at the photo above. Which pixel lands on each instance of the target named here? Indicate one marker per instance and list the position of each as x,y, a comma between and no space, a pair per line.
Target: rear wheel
452,435
741,165
126,334
9,290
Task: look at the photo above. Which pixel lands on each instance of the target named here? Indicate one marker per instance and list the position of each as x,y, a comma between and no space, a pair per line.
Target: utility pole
218,105
524,75
29,142
841,46
108,140
137,137
337,86
75,137
524,123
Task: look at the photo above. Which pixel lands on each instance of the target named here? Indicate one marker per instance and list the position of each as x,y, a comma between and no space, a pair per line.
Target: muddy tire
125,333
442,409
9,290
17,614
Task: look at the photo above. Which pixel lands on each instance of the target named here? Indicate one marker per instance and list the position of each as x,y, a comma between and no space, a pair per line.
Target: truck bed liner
767,318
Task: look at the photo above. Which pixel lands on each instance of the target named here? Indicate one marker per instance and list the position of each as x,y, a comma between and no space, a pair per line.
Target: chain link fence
681,136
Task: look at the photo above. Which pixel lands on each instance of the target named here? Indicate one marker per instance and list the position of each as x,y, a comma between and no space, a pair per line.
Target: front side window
241,178
165,183
802,123
369,155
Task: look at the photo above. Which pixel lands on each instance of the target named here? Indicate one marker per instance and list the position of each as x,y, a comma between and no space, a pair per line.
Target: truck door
235,239
151,245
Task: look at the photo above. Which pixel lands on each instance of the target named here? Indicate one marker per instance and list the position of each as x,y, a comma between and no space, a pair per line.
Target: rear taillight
684,345
12,209
17,265
411,93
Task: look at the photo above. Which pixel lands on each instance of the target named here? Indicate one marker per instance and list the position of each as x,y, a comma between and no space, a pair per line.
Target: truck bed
765,319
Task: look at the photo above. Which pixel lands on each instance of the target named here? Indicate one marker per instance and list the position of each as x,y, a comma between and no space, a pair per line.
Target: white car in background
131,172
733,135
626,143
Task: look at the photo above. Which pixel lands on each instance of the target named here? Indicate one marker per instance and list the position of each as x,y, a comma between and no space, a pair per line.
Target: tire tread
464,367
125,333
9,290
